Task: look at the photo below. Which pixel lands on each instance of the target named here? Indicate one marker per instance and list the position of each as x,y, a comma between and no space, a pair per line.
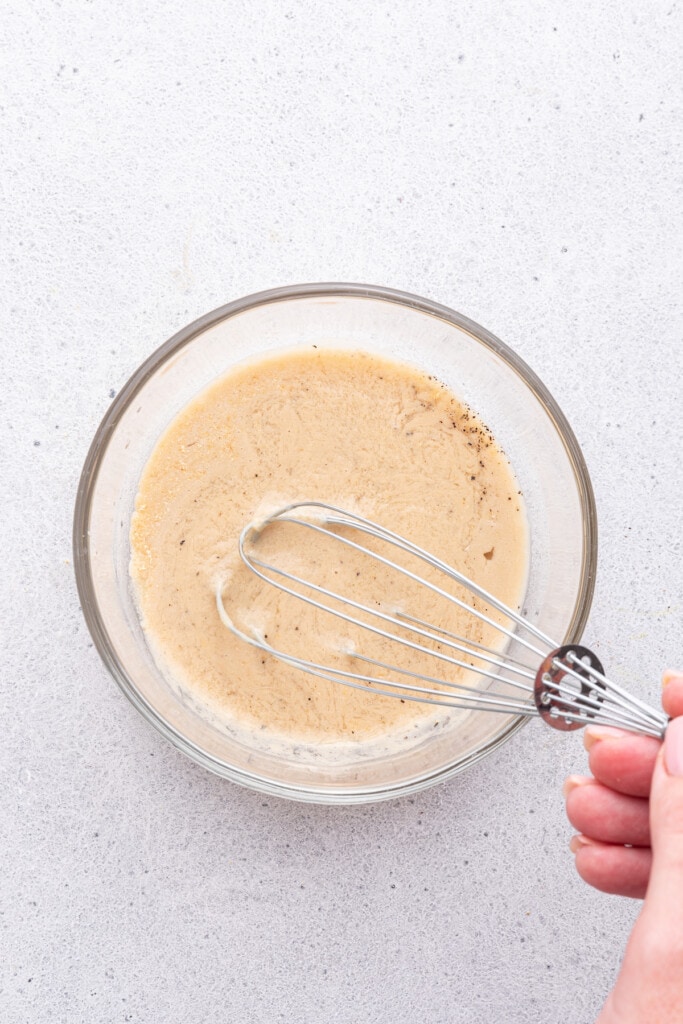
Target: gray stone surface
517,161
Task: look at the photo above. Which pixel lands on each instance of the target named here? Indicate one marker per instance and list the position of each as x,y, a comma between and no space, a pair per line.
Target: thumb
665,891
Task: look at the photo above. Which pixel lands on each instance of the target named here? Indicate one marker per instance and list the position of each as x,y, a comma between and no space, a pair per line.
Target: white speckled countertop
519,162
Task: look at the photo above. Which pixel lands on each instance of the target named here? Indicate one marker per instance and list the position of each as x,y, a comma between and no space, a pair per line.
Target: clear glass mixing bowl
479,368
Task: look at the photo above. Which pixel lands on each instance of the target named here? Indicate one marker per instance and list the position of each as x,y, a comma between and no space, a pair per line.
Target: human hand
611,808
630,817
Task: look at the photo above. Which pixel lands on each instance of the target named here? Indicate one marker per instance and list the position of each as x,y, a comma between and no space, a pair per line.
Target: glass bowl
479,369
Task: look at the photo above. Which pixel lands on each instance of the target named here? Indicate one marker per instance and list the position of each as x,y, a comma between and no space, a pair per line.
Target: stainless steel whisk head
564,685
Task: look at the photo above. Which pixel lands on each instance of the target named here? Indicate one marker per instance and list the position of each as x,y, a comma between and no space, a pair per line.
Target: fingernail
671,675
673,747
573,782
578,842
593,733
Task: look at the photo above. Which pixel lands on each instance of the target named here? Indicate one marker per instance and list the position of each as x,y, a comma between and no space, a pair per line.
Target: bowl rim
90,472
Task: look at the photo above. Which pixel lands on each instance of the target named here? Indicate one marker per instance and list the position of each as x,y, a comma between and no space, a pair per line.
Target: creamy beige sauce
378,437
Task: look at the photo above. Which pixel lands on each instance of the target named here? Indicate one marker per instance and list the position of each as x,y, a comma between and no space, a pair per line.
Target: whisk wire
596,708
497,656
568,689
629,699
380,533
607,694
385,634
466,698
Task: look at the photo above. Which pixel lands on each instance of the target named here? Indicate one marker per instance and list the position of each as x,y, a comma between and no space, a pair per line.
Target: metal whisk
564,685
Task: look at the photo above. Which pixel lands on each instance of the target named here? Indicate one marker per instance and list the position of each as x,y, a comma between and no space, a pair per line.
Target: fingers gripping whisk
518,670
